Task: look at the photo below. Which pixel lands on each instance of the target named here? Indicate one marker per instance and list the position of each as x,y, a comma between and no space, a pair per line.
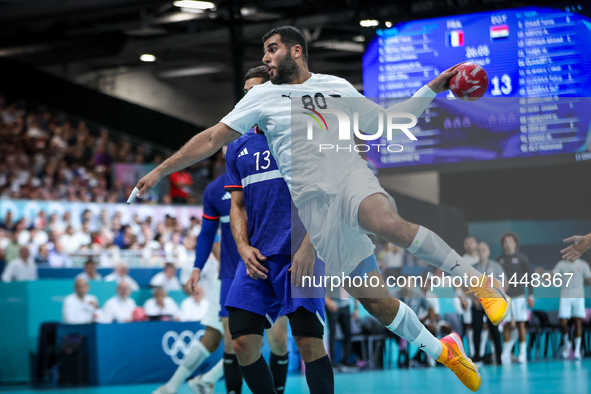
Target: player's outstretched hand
441,82
193,280
302,263
252,258
575,250
147,182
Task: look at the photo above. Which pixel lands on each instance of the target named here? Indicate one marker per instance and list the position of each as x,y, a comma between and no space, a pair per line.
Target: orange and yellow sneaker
495,302
454,357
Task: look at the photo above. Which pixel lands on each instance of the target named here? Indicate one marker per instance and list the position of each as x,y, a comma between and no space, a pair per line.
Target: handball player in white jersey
339,199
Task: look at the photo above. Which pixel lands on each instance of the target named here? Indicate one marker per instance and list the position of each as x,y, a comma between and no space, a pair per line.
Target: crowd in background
54,240
46,156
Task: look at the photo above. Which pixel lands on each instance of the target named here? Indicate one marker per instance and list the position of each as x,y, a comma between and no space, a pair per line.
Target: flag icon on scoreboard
455,38
499,32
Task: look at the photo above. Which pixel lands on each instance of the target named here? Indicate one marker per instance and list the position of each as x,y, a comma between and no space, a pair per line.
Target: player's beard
286,70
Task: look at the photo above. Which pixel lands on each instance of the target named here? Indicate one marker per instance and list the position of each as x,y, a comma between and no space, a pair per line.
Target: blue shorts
274,296
224,289
365,267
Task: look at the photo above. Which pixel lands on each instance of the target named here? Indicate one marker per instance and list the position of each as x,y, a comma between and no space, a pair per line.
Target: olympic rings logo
177,346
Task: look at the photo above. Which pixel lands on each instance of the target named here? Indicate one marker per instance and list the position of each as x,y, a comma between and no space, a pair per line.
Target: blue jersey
251,168
216,206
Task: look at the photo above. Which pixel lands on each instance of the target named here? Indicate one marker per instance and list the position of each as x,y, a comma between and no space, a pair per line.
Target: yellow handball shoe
454,357
495,302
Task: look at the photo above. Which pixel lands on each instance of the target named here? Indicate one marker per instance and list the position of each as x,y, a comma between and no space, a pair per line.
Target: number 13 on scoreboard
506,87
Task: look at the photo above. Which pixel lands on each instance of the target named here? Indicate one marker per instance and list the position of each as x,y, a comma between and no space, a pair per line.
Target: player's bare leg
279,361
378,216
202,349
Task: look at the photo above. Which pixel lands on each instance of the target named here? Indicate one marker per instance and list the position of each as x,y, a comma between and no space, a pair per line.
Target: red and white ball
470,83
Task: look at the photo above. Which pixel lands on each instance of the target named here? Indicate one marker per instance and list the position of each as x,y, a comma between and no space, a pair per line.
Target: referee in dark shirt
516,266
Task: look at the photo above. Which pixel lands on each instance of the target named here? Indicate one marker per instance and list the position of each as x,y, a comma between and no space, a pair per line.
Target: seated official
20,269
90,272
120,307
121,273
193,307
161,305
166,279
79,307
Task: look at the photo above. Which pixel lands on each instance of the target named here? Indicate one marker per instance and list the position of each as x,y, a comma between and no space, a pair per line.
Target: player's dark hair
257,72
510,234
290,36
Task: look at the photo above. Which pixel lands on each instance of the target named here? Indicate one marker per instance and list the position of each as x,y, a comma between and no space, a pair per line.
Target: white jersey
315,173
581,272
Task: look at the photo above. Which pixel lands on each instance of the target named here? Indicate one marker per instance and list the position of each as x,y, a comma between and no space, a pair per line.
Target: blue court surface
573,377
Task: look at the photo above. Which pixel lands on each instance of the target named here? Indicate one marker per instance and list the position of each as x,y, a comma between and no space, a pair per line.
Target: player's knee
310,348
245,345
278,343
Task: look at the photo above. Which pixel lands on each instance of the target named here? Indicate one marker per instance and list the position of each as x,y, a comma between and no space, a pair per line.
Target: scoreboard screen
537,103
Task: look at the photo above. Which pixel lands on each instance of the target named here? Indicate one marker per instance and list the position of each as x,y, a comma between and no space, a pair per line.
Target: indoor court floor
572,377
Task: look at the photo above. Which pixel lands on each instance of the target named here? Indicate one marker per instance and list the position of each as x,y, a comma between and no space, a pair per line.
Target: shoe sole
460,345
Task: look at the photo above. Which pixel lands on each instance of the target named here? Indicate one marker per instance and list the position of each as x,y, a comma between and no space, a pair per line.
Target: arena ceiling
80,37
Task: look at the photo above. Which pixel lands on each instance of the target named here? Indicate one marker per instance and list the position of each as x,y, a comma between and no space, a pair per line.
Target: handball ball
470,83
139,314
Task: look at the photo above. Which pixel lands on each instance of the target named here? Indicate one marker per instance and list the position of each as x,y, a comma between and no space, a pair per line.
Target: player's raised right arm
200,147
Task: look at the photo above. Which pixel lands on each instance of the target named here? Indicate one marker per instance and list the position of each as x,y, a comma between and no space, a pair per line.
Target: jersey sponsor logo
177,346
455,266
227,196
287,95
243,152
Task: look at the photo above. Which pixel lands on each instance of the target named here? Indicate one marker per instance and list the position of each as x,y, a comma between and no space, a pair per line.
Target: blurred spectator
58,258
194,227
11,251
488,267
79,307
42,256
180,183
516,265
194,307
175,251
90,272
572,301
471,248
21,268
337,312
166,279
121,273
161,304
7,223
120,307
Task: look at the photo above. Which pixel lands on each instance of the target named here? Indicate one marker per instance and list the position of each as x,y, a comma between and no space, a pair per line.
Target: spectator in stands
180,183
194,227
488,267
166,279
90,272
175,250
11,251
572,301
21,268
42,256
119,308
121,273
193,307
58,258
471,257
161,305
79,307
4,239
516,266
7,223
338,312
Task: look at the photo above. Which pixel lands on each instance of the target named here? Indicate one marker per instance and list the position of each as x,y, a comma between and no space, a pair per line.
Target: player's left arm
303,261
